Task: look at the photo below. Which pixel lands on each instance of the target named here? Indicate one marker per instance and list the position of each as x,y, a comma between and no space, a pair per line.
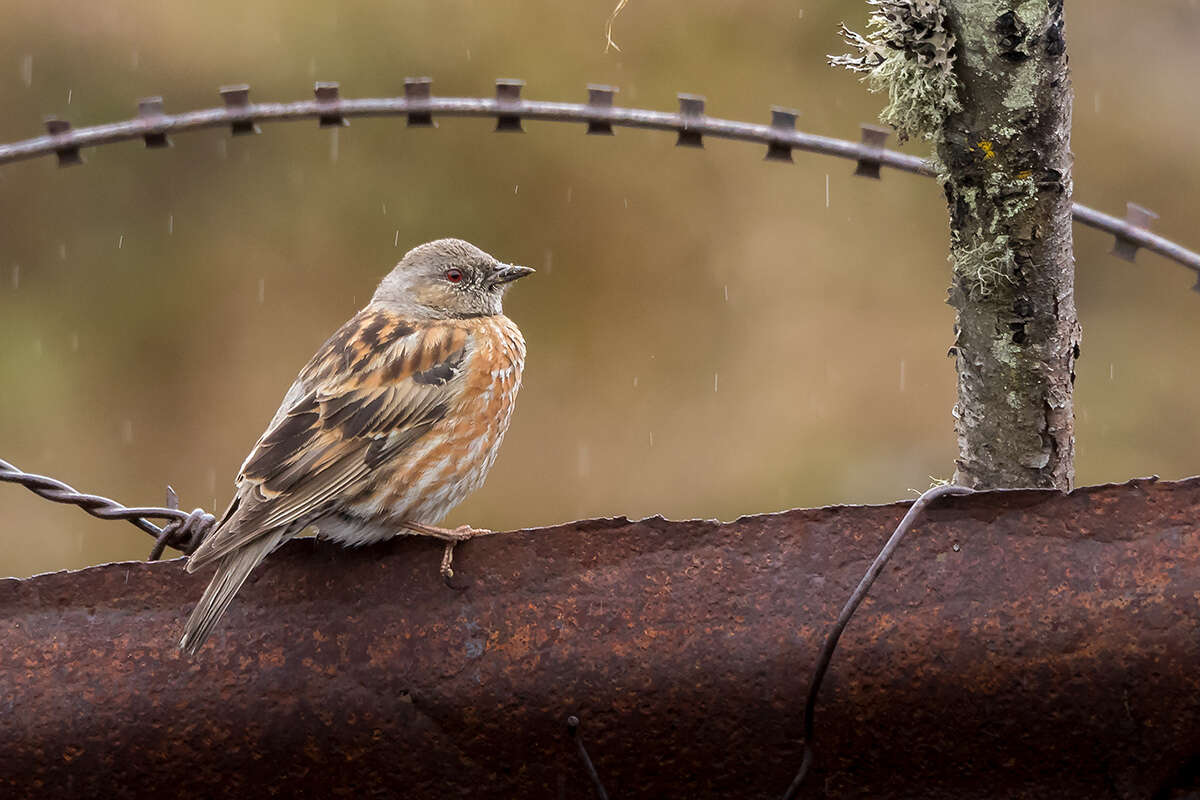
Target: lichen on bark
908,53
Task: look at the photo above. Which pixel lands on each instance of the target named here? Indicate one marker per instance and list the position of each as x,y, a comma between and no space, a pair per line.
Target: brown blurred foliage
709,334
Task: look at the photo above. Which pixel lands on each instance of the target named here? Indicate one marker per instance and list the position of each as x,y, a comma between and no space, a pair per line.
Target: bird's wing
376,387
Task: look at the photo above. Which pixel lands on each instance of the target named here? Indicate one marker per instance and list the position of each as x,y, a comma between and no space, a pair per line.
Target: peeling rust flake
1020,644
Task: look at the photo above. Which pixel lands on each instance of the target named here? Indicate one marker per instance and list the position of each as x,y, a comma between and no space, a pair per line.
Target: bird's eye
454,275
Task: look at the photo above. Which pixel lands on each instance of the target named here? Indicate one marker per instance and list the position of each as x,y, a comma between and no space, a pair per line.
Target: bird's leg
451,537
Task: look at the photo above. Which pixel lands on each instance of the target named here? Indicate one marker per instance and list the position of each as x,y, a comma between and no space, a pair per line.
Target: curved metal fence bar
509,109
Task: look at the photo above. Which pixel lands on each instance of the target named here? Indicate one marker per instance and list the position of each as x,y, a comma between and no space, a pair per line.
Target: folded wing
377,387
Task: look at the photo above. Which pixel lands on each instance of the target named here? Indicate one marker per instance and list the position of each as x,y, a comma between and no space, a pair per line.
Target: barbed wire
184,531
418,104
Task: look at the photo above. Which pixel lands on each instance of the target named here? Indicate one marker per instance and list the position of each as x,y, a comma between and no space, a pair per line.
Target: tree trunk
1007,164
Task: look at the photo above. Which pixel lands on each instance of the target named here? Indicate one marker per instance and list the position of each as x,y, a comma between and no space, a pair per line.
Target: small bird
395,420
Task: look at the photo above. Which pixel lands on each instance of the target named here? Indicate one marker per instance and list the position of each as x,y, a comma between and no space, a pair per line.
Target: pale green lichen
909,54
984,263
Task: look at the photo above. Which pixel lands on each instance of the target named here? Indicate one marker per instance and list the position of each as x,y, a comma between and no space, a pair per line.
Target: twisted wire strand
184,530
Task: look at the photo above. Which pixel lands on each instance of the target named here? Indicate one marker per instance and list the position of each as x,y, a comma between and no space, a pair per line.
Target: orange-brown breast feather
377,386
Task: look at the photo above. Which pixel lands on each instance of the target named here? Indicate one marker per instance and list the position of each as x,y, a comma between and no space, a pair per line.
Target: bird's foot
451,536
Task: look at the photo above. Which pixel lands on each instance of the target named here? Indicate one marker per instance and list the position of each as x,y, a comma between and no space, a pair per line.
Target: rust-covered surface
1020,644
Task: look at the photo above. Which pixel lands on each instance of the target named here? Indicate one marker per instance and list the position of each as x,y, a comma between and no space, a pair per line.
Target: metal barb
600,97
1135,217
573,728
184,531
151,110
417,90
691,107
874,138
783,120
326,93
67,156
237,99
857,596
508,95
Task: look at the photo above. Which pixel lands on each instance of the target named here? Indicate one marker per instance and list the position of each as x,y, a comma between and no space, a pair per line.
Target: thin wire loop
856,598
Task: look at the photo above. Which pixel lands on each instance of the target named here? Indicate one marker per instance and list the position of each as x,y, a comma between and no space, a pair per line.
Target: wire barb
784,121
508,96
237,100
327,94
873,138
691,108
418,90
573,728
184,531
857,596
67,155
1137,218
600,97
150,109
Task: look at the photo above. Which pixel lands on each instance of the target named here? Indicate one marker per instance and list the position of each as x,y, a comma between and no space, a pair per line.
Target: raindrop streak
262,290
74,341
333,145
516,186
69,91
62,251
627,202
222,148
1112,371
635,379
570,193
27,71
1096,101
902,374
549,261
716,378
652,438
120,241
727,293
584,461
127,431
170,224
16,276
468,54
396,239
384,208
827,190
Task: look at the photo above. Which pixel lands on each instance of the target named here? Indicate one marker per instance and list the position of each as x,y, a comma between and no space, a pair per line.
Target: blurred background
709,335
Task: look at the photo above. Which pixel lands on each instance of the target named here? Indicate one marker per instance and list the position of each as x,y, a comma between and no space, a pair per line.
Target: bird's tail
231,574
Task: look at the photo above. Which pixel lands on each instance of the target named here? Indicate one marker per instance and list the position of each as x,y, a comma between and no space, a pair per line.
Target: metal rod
418,107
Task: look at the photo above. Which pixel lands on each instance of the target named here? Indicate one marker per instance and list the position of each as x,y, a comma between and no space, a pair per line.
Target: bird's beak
506,273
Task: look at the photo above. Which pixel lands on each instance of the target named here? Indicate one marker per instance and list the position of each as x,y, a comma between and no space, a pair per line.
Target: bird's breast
453,458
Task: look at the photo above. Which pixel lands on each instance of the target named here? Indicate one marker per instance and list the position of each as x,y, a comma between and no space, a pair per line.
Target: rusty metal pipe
1019,644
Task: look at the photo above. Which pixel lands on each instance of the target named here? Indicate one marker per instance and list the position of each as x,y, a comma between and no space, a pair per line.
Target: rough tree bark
987,81
1007,176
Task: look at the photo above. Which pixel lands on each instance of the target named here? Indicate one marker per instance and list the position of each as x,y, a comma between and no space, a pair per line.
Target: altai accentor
394,421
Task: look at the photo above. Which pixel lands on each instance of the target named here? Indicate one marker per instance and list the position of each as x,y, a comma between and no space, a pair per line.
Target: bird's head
447,278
